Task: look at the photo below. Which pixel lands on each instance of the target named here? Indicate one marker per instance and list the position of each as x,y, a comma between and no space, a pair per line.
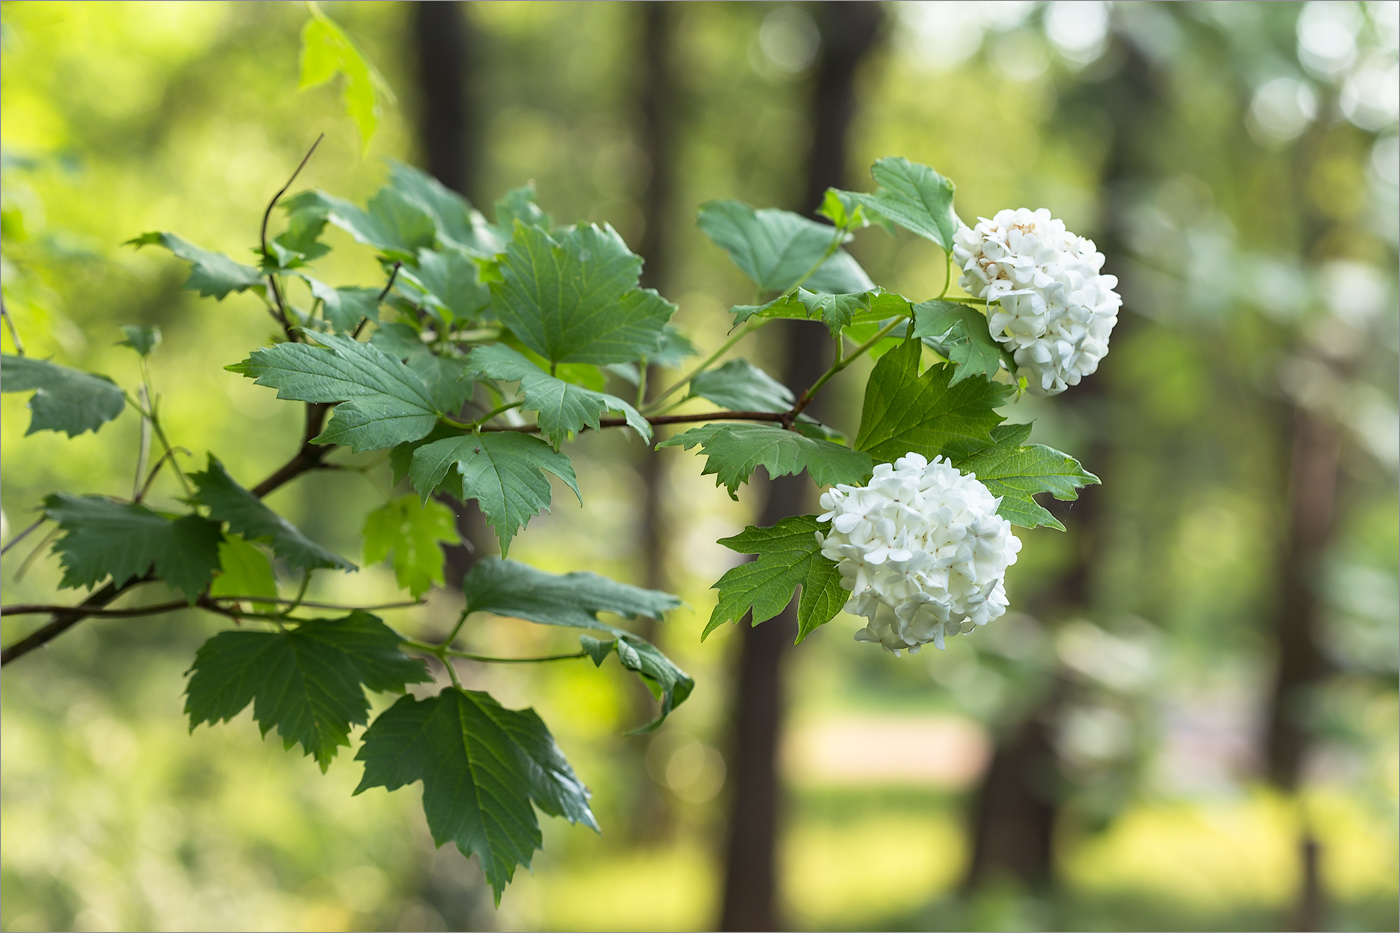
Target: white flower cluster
922,551
1055,308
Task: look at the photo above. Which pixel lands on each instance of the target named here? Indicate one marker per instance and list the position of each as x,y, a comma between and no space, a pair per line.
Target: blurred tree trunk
1017,803
445,45
849,31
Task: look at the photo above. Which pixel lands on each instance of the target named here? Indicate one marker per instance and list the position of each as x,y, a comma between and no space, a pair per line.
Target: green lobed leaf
124,540
502,470
914,196
481,765
67,400
213,275
741,386
734,451
959,332
448,285
1017,472
327,51
383,402
519,205
445,376
573,296
301,241
412,532
836,311
564,408
458,224
247,516
777,248
143,338
390,222
345,307
789,556
907,412
508,588
309,682
245,570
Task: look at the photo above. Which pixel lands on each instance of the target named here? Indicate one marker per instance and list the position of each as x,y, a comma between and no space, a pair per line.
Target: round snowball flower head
1054,307
921,550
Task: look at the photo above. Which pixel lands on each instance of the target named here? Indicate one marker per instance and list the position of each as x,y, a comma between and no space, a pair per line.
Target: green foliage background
1250,262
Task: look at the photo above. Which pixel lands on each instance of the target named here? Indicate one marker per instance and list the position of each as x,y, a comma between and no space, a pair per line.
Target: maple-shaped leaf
67,400
212,274
383,402
778,248
308,681
734,451
789,557
124,540
1017,472
412,532
741,386
914,196
482,766
247,516
905,411
959,332
502,470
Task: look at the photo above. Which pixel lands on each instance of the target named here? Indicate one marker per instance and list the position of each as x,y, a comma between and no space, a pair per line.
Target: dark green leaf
596,648
143,338
458,224
1018,472
734,451
301,241
504,471
309,682
345,307
915,197
67,400
383,402
959,332
212,274
413,533
905,412
573,297
675,348
519,205
392,224
448,285
444,376
481,766
564,408
124,540
836,311
741,386
789,556
247,516
777,248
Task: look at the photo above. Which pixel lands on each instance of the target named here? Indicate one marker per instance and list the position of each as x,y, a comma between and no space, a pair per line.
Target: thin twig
10,323
20,537
31,609
151,477
262,239
776,416
394,274
143,454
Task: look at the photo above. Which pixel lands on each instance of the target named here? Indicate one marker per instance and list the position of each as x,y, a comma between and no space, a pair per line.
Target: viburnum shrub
488,347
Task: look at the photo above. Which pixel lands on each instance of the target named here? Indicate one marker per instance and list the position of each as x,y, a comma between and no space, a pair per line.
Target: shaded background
1189,720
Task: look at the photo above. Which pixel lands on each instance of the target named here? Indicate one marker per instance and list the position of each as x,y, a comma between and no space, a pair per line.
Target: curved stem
441,652
947,273
23,534
752,325
839,365
10,325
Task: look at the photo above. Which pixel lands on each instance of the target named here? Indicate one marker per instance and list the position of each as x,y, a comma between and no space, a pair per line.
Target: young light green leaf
413,533
383,402
564,408
67,400
503,471
143,338
391,223
778,248
345,307
327,51
734,451
573,296
1017,472
445,376
212,274
447,283
959,332
789,556
309,682
741,386
247,516
481,766
245,570
914,196
458,224
905,412
507,588
125,540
